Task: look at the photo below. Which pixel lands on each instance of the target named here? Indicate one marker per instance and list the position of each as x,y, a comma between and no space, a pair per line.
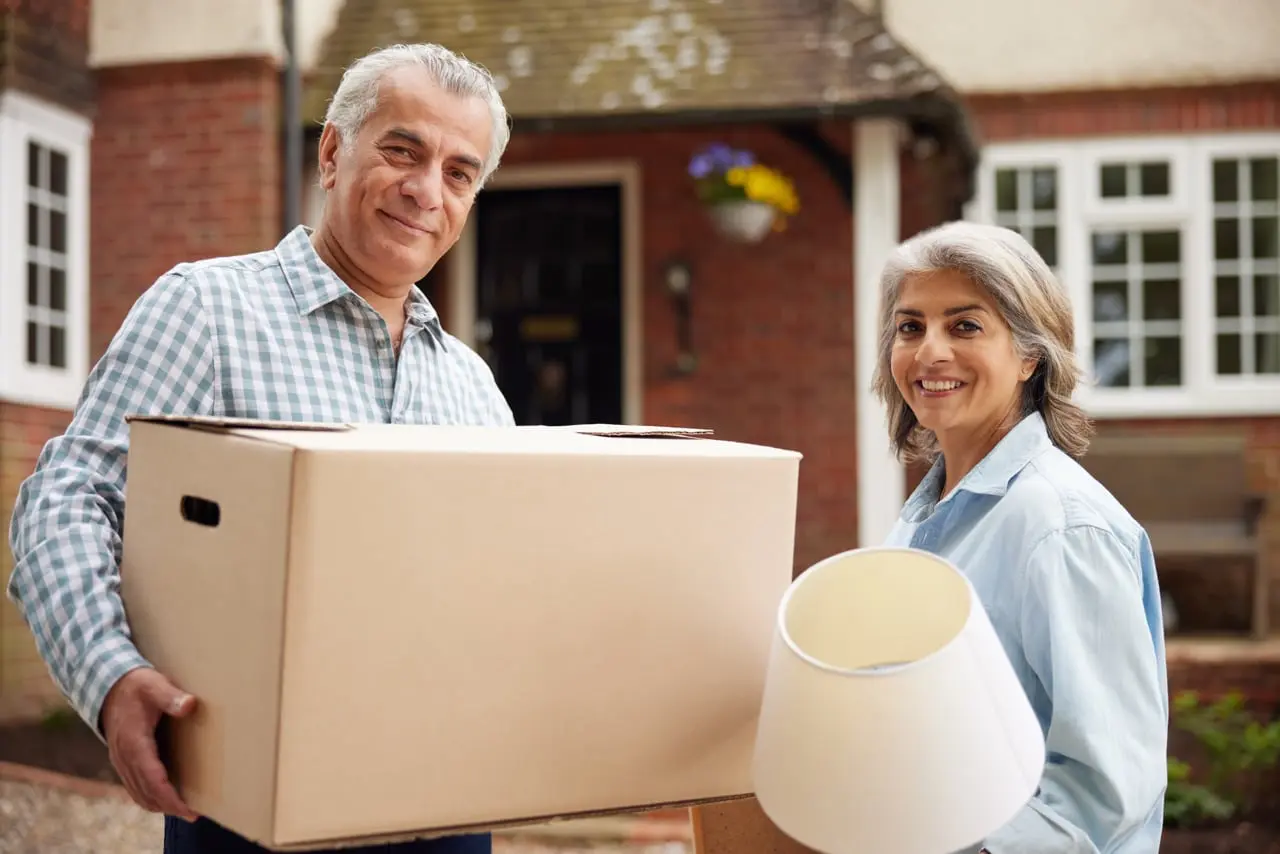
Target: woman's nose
933,349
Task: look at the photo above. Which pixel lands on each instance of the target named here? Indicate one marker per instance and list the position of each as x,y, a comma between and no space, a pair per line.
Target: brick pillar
185,165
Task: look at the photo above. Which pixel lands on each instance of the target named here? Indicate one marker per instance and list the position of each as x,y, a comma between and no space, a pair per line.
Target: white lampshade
892,721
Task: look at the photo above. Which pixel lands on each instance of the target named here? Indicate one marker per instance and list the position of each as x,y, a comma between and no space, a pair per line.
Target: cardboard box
407,631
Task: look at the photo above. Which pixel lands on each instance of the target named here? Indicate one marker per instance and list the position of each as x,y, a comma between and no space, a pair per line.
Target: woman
977,368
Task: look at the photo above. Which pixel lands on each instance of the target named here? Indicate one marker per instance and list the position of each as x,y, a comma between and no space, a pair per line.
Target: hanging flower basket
744,199
743,221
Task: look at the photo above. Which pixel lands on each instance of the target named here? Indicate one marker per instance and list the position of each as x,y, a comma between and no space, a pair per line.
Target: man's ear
327,156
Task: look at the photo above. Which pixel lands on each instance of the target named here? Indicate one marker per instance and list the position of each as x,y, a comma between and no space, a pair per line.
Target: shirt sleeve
68,519
1086,635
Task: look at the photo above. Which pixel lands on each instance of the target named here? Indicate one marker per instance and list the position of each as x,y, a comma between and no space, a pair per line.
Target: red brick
185,165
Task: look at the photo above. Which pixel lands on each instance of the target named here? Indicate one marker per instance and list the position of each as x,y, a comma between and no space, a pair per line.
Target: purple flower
718,158
700,166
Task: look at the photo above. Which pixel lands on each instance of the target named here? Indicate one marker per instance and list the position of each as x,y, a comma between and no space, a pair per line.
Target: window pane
1225,181
58,173
1263,181
1229,354
1228,296
33,225
1110,301
1112,181
1226,239
1045,241
1160,247
33,284
1267,353
1111,361
1110,247
1044,189
1266,296
33,165
57,289
1154,179
57,231
1006,190
1266,237
1164,361
33,343
1162,300
57,347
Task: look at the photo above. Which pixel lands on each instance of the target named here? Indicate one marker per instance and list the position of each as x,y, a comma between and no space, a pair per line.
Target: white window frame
1188,209
24,118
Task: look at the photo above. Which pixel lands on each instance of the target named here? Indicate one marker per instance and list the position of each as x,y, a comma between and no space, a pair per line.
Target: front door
549,301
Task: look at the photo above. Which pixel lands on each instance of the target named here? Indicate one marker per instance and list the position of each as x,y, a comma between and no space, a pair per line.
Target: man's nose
426,187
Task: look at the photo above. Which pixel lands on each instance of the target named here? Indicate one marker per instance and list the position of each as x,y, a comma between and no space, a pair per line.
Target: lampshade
892,720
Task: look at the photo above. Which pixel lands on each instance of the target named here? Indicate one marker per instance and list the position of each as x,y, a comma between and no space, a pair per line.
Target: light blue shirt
1068,579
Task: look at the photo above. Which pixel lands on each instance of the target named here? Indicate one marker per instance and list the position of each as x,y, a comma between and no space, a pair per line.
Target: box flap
221,423
639,431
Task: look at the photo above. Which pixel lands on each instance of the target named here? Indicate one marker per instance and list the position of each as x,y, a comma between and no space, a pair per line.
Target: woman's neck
961,452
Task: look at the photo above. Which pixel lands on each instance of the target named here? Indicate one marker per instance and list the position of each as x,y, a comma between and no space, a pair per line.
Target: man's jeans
205,837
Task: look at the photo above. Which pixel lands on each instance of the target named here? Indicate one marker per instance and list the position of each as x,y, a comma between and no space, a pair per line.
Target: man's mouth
405,224
938,388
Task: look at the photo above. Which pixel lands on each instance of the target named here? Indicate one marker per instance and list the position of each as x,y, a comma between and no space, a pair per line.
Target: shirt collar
314,284
992,476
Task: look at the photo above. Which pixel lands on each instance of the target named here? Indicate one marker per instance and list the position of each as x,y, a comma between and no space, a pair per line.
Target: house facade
1134,144
1137,144
591,277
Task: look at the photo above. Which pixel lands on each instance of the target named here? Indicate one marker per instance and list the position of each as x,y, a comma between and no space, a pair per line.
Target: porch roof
607,63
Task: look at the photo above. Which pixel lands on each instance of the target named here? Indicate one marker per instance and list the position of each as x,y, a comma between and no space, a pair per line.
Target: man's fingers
158,788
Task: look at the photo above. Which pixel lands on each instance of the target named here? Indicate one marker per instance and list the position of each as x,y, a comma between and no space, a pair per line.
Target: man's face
399,195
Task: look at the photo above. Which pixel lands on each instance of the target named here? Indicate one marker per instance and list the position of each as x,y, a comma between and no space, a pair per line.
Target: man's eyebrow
468,160
415,140
406,135
951,312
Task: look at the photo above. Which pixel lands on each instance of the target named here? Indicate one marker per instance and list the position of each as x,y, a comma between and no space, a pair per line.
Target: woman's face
953,357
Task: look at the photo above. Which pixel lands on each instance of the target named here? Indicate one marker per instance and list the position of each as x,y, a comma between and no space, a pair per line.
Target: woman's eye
908,327
968,326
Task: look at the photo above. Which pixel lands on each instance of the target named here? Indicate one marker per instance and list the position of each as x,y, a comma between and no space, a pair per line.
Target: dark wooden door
549,301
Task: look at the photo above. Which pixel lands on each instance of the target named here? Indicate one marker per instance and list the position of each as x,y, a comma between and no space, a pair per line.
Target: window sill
1261,399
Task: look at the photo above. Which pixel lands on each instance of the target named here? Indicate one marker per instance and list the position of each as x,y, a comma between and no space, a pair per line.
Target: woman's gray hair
357,95
1031,301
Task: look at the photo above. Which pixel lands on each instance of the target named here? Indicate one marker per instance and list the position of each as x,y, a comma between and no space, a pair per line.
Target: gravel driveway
47,819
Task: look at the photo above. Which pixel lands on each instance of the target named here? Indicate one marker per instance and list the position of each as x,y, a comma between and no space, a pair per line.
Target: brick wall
185,165
25,687
43,52
772,322
44,49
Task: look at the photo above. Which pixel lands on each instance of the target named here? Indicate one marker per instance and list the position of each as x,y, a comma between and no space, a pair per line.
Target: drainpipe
292,119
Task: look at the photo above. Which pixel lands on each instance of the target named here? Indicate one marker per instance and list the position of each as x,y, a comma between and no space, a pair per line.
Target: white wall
1038,45
130,32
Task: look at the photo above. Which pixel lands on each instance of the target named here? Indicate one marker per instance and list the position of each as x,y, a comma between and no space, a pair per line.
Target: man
328,326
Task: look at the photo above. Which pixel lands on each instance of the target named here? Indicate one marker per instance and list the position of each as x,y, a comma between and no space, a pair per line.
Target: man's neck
389,301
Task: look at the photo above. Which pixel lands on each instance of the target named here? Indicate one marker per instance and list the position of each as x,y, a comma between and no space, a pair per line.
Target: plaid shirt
272,335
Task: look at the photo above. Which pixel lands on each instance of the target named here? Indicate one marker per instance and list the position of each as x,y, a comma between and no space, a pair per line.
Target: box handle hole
201,511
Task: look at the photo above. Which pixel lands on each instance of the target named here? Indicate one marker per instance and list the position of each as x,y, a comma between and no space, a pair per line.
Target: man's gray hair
357,95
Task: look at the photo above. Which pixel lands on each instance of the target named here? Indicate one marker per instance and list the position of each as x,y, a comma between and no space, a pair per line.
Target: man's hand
130,715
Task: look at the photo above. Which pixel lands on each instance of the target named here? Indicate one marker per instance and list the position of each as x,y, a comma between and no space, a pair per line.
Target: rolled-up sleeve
67,524
1086,635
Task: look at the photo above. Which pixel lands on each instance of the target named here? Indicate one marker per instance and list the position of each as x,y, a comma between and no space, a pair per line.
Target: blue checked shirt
272,335
1069,581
